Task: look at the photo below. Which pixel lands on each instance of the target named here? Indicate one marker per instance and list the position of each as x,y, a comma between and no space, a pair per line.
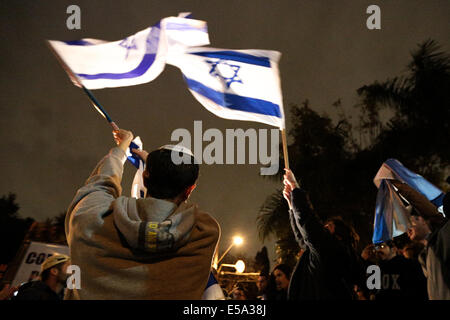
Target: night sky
52,137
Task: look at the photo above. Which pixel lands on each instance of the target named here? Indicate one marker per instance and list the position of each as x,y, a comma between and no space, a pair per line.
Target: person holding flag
329,267
425,220
431,228
233,84
158,247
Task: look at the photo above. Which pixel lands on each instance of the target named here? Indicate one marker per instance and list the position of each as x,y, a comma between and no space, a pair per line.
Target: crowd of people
161,246
412,266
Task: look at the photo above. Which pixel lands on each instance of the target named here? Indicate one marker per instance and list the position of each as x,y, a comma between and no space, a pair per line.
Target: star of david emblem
224,70
128,43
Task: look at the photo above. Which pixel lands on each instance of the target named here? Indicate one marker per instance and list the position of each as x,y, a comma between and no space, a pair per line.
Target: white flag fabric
234,84
394,169
138,190
391,214
137,59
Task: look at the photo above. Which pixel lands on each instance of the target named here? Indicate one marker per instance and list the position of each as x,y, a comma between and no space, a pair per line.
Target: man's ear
189,190
54,271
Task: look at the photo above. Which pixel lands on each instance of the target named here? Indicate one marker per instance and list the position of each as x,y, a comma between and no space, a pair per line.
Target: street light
237,240
239,266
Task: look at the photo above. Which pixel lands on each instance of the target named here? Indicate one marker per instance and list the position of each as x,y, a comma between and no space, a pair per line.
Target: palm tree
59,234
273,220
12,228
419,130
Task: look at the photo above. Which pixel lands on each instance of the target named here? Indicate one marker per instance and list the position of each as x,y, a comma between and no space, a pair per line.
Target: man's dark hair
446,204
401,241
283,268
166,179
391,244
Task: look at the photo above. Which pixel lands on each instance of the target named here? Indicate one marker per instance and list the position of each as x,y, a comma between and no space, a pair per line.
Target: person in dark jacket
329,267
52,281
401,278
432,229
262,284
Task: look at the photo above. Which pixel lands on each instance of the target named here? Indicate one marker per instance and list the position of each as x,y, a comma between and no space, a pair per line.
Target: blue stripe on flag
235,56
78,43
416,181
211,280
439,201
380,229
145,64
147,61
235,102
134,158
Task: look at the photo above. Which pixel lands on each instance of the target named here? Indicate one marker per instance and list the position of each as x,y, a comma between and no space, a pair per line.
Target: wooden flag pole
99,108
285,149
78,83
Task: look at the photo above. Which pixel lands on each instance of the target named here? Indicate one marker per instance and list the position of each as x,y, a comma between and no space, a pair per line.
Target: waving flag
393,169
138,189
136,59
213,290
234,84
391,214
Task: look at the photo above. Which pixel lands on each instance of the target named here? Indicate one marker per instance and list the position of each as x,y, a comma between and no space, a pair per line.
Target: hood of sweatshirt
153,225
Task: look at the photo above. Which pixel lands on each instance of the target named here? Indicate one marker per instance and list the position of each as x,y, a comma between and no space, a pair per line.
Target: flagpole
78,83
285,149
99,107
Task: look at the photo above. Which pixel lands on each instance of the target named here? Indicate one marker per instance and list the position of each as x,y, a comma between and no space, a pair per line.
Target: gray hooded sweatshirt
130,248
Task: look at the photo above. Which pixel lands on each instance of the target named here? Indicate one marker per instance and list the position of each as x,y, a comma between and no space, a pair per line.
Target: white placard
30,266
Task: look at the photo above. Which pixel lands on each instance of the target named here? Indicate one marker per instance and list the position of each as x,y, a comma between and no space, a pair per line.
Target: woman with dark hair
281,276
329,267
342,231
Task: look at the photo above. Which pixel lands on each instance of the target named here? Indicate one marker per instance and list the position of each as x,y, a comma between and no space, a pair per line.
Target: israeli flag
138,190
392,217
213,290
394,169
234,84
136,59
391,214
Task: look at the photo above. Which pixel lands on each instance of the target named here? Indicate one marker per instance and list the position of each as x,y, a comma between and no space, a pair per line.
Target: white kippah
178,148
